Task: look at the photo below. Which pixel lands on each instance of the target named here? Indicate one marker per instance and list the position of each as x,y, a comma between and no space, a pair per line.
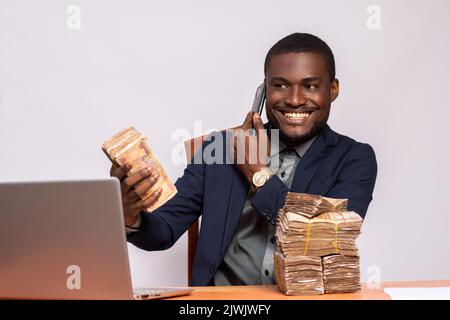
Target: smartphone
258,102
260,99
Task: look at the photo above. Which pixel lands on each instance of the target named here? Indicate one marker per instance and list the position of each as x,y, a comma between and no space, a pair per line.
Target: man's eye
280,85
311,86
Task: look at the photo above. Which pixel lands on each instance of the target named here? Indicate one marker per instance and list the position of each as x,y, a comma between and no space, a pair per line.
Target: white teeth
296,115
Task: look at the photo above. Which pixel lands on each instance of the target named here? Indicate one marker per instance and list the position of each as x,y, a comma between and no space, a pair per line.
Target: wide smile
295,117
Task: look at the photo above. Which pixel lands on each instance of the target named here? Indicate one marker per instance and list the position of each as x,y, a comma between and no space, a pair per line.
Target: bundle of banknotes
312,205
299,275
341,274
129,147
316,254
306,275
328,233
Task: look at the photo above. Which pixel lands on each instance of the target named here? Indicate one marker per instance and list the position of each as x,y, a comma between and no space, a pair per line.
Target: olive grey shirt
249,258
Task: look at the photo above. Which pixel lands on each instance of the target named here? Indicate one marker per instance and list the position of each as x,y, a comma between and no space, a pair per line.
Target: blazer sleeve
163,227
356,180
270,198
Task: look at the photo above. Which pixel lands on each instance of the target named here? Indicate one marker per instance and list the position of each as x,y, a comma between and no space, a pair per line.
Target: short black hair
302,42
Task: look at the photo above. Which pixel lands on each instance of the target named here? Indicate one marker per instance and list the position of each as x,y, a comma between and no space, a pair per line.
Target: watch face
259,179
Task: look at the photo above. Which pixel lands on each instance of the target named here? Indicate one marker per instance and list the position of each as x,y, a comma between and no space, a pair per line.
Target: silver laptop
66,240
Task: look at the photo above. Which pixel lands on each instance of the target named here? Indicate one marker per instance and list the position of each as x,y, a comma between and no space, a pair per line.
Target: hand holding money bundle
144,184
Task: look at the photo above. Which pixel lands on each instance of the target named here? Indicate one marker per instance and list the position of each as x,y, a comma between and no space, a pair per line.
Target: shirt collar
299,149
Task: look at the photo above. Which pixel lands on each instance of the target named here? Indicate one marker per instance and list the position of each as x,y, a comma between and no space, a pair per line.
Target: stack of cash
328,233
307,238
341,274
310,205
129,147
299,275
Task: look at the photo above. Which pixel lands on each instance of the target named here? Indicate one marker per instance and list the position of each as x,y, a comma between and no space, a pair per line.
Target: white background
161,65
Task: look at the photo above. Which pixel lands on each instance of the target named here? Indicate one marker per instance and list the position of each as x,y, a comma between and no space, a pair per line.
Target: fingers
248,121
129,182
136,187
152,199
141,189
249,148
257,121
142,205
240,148
118,172
262,135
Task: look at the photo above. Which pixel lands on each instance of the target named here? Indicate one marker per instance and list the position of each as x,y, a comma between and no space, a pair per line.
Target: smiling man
239,201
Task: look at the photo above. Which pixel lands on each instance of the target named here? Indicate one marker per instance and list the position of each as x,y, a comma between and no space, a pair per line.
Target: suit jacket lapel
237,196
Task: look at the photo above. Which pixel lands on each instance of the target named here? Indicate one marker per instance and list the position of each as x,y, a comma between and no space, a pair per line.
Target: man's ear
334,90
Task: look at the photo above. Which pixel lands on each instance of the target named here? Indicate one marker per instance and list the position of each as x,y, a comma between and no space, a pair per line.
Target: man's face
299,95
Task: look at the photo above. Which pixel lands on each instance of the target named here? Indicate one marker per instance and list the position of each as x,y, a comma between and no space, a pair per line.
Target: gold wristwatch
260,178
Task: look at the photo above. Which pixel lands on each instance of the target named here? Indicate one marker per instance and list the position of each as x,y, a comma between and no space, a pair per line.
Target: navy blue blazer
334,166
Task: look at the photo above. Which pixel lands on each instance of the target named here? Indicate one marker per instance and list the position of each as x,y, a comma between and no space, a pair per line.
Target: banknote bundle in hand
302,240
129,147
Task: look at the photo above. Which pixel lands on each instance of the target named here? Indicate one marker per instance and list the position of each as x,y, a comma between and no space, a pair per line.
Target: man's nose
295,97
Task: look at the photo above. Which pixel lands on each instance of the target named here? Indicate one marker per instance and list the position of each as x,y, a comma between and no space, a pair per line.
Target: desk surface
272,293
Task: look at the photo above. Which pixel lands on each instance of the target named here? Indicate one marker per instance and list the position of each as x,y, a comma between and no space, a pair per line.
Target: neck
292,143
